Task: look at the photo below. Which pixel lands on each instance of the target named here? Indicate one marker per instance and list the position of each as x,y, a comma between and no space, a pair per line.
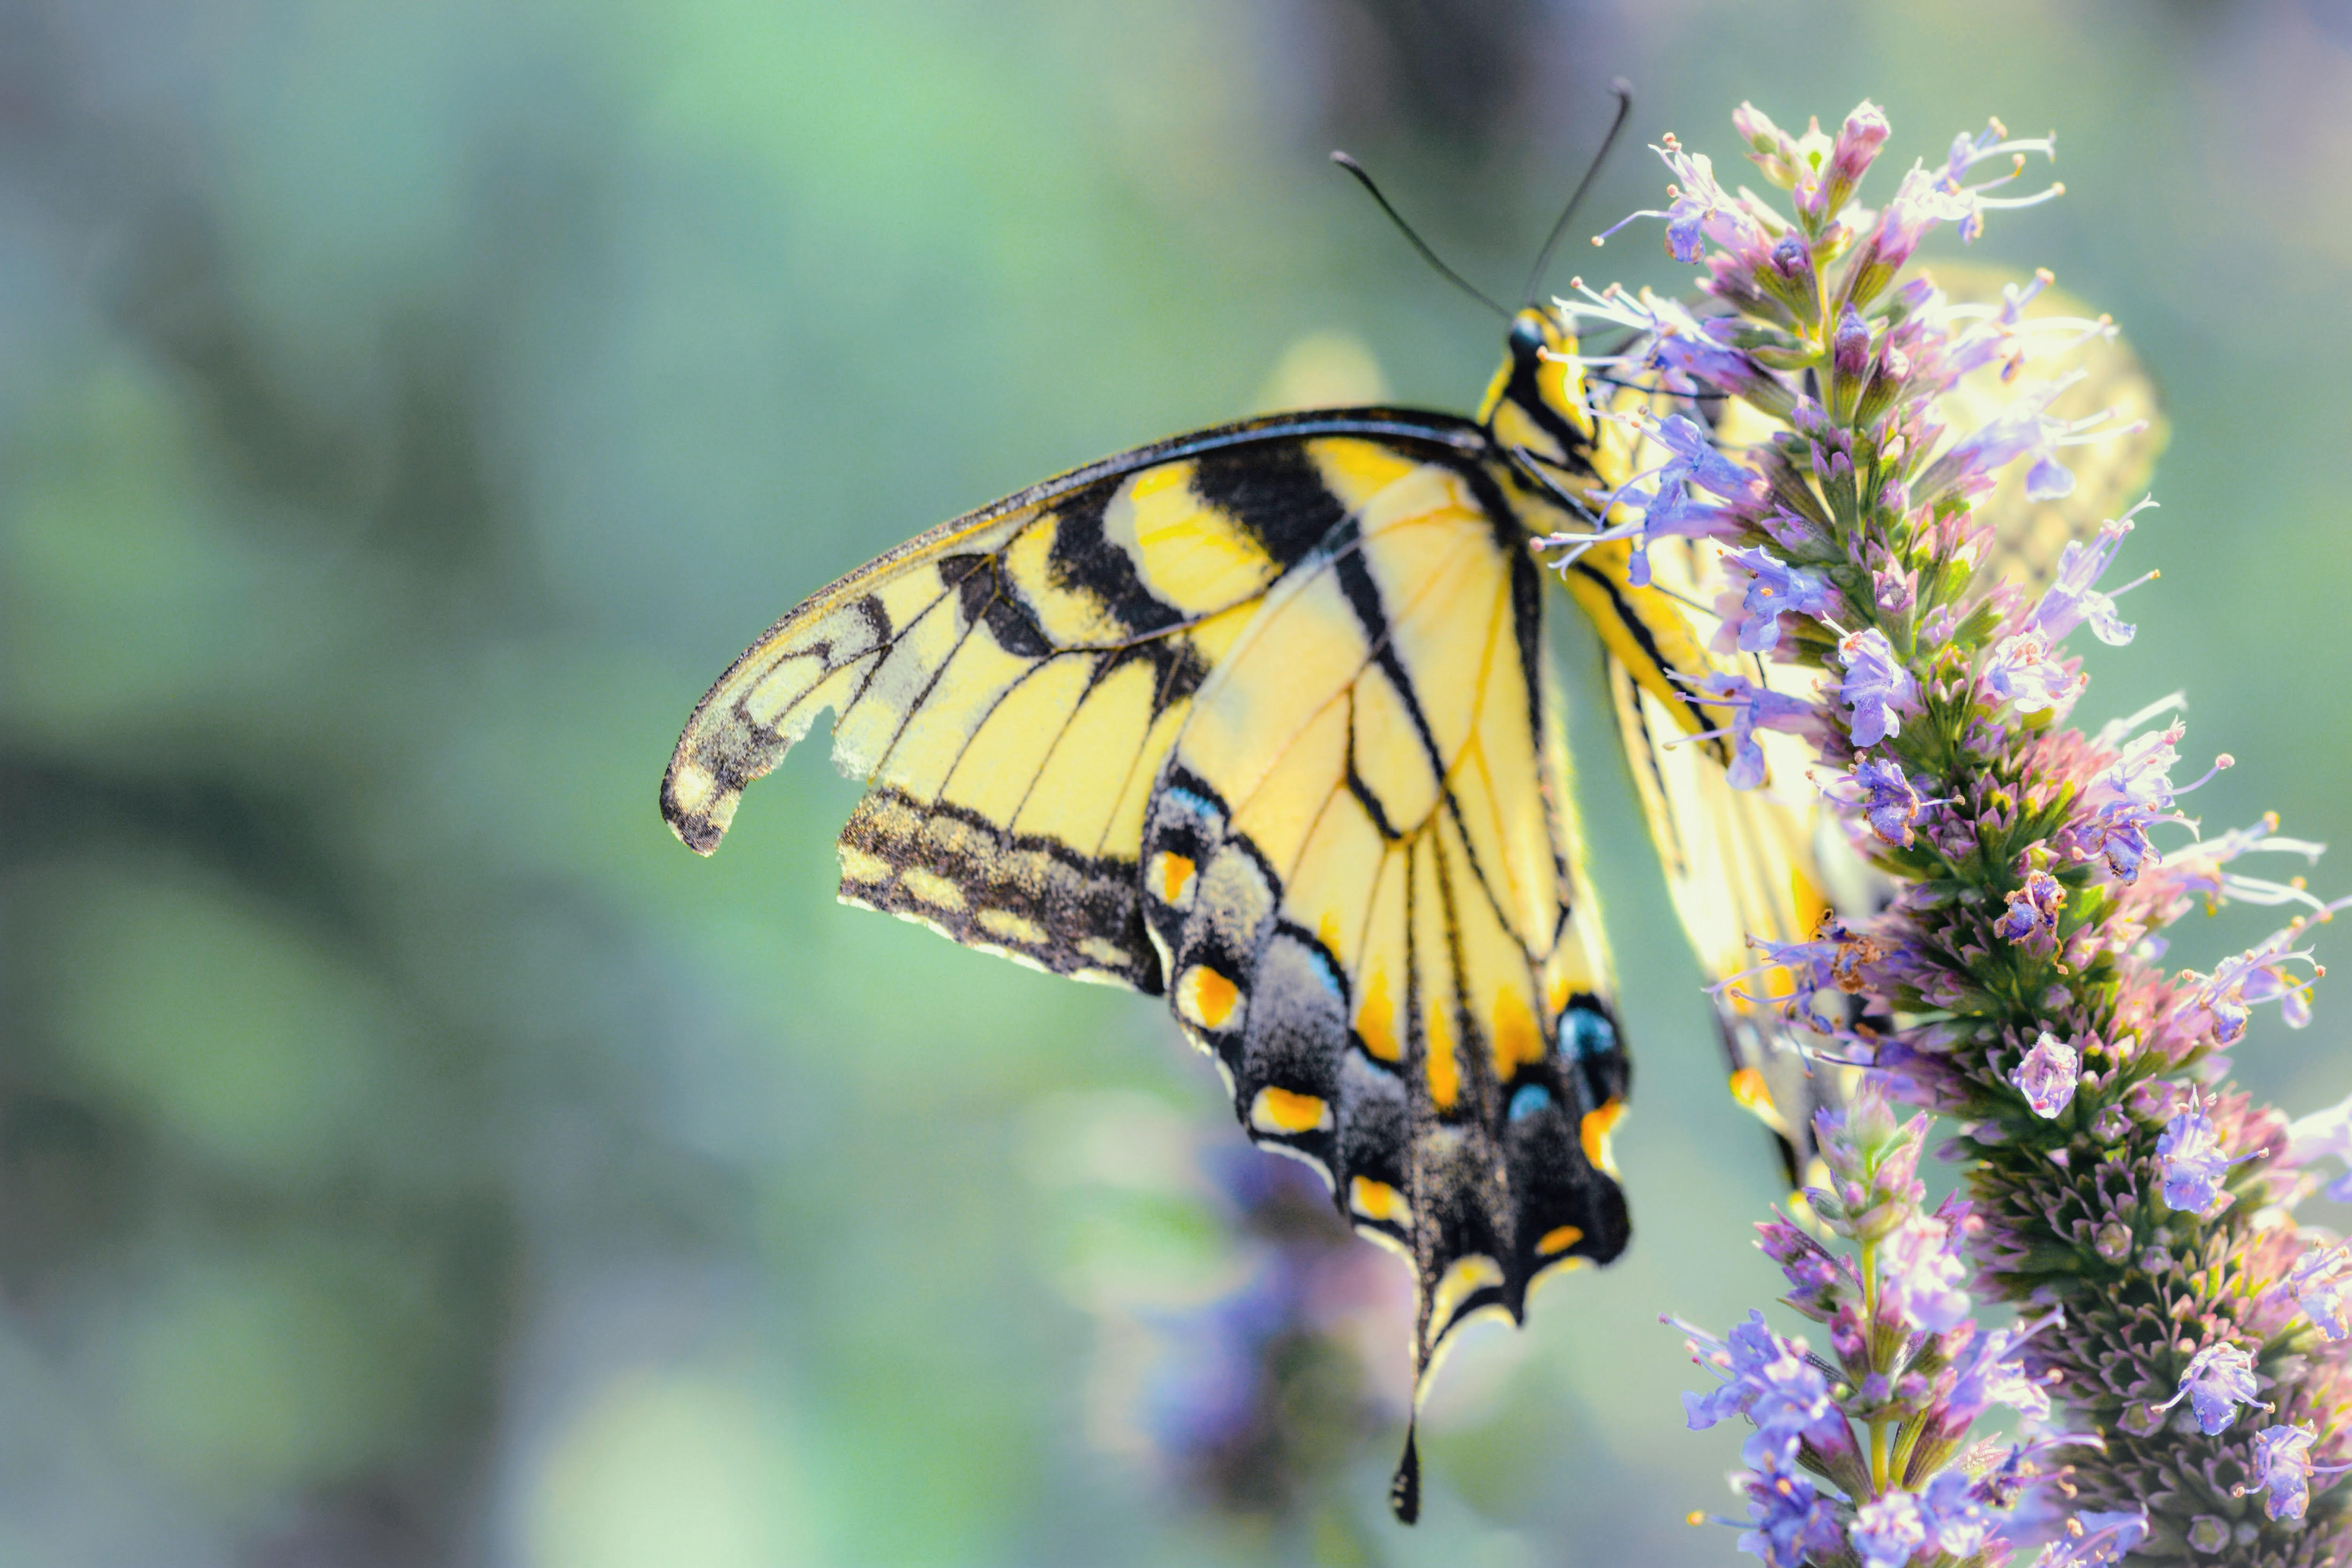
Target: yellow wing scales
1008,683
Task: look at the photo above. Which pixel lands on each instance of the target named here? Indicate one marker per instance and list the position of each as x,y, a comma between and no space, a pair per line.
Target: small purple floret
2321,1284
1877,685
1776,589
1887,1529
2283,1463
2034,908
2046,1077
2218,1380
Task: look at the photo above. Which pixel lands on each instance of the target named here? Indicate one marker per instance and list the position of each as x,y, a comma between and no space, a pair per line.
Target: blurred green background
410,1154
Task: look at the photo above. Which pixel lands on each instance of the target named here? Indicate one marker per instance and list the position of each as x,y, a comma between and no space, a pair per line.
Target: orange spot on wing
1213,996
1376,1201
1517,1038
1175,875
1747,1087
1443,1069
1279,1110
1376,1019
1559,1239
1595,1131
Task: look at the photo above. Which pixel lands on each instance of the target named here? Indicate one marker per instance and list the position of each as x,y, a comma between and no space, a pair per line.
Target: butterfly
1258,719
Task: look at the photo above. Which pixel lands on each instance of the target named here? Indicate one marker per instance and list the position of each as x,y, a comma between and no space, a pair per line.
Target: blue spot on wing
1198,804
1586,1033
1329,972
1531,1098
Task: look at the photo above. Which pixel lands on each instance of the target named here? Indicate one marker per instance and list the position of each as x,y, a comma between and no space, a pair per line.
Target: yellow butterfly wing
1008,683
1257,717
2109,474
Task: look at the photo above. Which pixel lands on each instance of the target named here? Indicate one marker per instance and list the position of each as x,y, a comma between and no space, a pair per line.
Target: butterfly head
1536,399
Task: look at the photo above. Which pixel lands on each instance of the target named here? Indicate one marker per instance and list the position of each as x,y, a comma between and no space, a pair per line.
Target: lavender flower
2034,909
1792,1520
2282,1460
1922,1285
2046,1076
2191,1151
2094,1538
2218,1380
2283,1463
2016,979
1877,685
1766,1379
1887,800
2023,674
2321,1284
2073,600
1776,589
1887,1529
1958,1516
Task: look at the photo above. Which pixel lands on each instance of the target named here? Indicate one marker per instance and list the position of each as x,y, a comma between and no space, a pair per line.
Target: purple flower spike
2218,1380
2321,1284
2190,1153
1877,685
2046,1077
1877,502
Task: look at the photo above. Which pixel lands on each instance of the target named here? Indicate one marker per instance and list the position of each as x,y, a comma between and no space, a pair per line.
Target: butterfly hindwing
1360,871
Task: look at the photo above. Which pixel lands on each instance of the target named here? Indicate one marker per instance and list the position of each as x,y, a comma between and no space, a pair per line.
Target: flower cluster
1870,496
1864,1458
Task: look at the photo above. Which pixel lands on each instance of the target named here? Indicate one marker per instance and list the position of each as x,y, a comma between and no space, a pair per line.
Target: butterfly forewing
1008,683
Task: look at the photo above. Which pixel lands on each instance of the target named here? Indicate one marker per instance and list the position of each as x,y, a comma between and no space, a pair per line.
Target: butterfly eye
1527,335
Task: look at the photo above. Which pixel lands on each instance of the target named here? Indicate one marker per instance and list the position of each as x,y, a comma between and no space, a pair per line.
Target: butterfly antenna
1415,240
1624,92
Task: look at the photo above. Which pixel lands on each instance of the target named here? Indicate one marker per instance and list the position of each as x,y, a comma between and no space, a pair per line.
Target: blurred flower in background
1237,1317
